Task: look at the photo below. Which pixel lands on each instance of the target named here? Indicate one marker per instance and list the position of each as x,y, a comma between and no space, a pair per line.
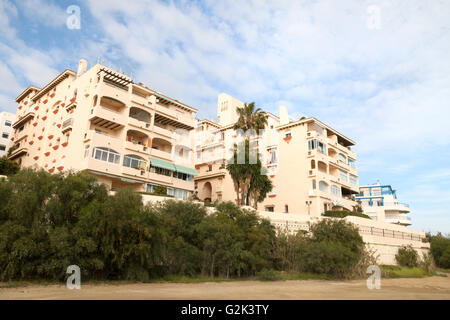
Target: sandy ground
423,288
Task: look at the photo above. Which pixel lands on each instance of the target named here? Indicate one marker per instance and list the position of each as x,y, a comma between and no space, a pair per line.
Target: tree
250,118
260,185
8,167
242,173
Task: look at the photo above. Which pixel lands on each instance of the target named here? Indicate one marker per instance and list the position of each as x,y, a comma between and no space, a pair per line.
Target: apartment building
6,121
380,203
311,165
99,120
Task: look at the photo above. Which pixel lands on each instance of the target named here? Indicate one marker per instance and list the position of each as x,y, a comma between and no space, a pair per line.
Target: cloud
41,12
388,88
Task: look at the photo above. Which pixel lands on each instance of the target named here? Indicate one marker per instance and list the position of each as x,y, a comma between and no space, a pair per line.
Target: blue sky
377,71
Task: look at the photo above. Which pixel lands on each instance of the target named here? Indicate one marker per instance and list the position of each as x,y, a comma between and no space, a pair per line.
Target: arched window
134,161
323,186
106,154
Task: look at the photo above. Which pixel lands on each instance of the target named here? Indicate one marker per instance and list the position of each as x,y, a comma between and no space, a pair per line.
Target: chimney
82,66
284,118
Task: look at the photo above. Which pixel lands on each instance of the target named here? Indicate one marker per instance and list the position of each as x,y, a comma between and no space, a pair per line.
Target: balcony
19,152
164,132
27,117
107,118
164,115
139,124
161,154
101,139
160,178
398,219
105,89
67,125
396,207
137,147
134,172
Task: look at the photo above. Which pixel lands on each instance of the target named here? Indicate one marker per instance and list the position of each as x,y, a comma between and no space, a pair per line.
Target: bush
8,167
407,257
335,248
440,250
160,190
268,275
344,213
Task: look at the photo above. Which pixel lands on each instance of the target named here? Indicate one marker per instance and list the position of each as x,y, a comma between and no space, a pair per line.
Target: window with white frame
134,161
315,144
86,151
106,154
343,175
352,163
335,190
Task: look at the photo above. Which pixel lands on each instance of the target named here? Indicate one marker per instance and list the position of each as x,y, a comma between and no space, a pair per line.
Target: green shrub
335,248
268,275
160,190
407,257
344,213
440,250
8,167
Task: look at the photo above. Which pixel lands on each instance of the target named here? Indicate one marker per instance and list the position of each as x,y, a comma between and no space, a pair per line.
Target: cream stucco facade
311,165
99,120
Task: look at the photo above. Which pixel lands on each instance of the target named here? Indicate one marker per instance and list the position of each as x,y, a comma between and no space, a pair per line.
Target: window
314,184
323,186
105,154
286,208
8,123
86,151
353,179
335,190
2,147
343,175
210,167
159,170
315,144
21,129
288,135
5,135
178,193
182,176
342,158
151,187
134,161
352,163
273,157
270,208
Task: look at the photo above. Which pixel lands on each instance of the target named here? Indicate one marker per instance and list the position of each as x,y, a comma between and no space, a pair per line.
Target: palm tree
250,118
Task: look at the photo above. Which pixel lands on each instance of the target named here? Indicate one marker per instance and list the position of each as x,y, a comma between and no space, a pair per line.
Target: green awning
129,180
162,164
185,170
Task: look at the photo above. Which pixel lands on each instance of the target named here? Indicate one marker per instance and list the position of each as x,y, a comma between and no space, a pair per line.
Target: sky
376,71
